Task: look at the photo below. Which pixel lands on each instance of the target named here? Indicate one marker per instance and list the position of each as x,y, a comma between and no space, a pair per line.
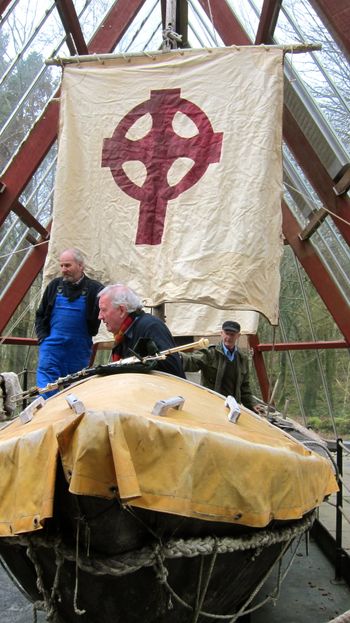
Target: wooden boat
133,497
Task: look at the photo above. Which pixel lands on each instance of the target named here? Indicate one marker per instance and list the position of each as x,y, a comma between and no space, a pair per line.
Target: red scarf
118,338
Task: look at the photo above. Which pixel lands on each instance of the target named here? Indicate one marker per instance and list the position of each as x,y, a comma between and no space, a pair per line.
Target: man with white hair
134,330
66,320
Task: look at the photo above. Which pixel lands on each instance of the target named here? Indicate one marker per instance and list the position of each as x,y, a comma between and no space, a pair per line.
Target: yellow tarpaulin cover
190,462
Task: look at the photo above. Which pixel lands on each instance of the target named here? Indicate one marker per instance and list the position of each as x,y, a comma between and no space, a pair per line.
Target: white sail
169,176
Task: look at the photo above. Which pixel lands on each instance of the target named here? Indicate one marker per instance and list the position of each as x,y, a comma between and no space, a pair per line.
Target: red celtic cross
158,150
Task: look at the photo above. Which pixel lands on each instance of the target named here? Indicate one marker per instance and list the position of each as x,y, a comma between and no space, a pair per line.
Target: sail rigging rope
307,198
31,246
318,357
33,300
212,22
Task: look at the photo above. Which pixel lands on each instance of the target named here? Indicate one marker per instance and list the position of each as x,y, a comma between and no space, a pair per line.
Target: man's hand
260,409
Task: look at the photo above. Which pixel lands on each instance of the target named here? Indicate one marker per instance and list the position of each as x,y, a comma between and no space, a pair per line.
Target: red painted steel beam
260,368
268,20
69,18
115,25
22,341
232,33
317,272
225,22
317,174
28,219
44,133
336,15
302,345
36,147
29,157
3,5
21,284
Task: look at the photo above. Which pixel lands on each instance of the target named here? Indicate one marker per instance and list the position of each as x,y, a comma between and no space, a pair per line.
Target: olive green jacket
211,362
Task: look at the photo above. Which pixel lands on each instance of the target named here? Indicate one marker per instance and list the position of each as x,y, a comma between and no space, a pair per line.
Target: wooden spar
297,48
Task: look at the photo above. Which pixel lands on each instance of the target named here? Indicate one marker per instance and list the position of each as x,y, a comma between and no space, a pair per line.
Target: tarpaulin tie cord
77,560
274,594
59,559
231,618
48,603
198,608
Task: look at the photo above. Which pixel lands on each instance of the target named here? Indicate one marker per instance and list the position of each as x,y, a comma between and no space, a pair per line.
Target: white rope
345,448
77,610
21,316
174,548
307,198
344,515
212,22
31,246
341,478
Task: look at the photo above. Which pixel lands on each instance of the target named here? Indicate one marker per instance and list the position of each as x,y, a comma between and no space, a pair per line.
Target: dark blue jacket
148,326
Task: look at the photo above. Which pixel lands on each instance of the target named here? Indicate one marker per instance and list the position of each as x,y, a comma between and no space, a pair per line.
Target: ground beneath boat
308,594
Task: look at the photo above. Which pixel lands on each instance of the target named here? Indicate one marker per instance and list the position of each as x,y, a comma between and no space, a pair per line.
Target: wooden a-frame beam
69,18
317,272
268,20
21,283
3,6
339,206
35,149
44,133
260,368
232,33
29,157
336,15
28,219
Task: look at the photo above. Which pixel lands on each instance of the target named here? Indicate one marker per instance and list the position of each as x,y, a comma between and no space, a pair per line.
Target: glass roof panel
145,32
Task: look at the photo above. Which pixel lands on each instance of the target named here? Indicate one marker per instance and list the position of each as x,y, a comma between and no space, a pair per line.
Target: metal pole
339,517
25,387
170,14
159,311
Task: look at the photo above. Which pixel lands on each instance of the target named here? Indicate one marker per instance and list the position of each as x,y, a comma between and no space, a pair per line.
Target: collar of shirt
230,355
129,331
77,283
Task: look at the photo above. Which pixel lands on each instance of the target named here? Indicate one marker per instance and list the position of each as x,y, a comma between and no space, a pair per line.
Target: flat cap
231,325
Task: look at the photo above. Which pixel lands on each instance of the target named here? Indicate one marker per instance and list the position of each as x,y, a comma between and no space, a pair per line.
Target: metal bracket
162,406
27,415
235,409
75,404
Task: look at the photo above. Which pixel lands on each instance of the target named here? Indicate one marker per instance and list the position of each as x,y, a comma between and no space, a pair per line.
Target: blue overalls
68,347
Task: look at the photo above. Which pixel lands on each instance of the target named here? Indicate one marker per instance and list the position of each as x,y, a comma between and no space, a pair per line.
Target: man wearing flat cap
224,367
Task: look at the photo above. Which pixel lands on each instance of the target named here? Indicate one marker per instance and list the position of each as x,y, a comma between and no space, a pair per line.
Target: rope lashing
155,556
